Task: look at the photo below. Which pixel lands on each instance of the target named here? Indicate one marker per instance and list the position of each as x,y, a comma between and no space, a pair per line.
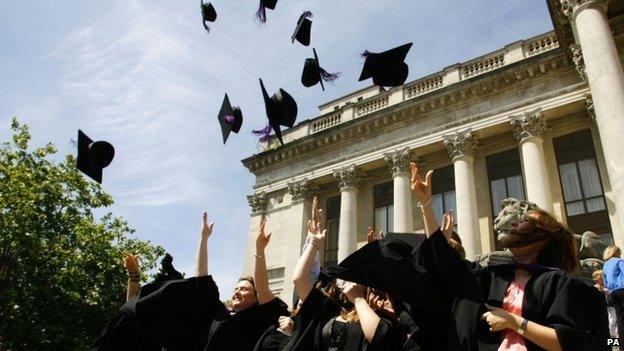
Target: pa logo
613,342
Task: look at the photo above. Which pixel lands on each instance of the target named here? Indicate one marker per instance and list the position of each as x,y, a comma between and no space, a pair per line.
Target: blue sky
145,76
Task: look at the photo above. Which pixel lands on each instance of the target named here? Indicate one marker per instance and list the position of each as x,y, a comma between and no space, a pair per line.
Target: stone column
399,163
258,204
297,230
606,82
349,178
528,129
461,147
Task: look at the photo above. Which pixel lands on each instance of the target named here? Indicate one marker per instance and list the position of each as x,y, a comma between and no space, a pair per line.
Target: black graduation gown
272,340
242,330
555,299
173,315
317,310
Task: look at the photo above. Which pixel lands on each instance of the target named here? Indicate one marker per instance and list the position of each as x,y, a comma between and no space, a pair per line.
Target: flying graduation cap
265,4
302,31
313,73
93,156
386,68
208,14
281,110
230,118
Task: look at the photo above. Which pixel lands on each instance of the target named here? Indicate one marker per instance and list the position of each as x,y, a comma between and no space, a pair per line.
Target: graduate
254,307
532,304
332,318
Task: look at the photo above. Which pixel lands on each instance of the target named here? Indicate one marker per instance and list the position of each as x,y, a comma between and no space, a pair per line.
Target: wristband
134,277
426,203
258,256
523,326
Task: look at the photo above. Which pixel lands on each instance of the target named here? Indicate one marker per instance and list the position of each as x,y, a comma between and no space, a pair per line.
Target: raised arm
369,320
261,277
422,191
201,258
131,264
301,277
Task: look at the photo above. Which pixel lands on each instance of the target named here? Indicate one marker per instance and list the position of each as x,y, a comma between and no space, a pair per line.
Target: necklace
337,342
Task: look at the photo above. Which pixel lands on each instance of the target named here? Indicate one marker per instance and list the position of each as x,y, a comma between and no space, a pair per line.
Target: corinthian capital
461,143
571,7
300,190
258,202
577,58
528,124
348,176
398,160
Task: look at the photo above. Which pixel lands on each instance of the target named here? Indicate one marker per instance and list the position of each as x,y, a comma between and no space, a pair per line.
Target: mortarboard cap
386,68
281,110
265,4
208,14
93,156
230,118
302,31
313,73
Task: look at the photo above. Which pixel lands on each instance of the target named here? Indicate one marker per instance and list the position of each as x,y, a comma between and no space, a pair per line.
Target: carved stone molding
577,58
461,143
528,125
399,160
300,190
589,106
569,7
258,202
349,176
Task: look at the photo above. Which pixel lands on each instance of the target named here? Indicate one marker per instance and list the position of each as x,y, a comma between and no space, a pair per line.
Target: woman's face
244,296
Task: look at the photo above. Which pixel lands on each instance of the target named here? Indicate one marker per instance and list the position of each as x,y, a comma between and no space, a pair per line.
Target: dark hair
560,250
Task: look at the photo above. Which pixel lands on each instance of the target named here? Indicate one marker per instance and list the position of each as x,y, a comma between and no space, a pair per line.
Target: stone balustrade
326,122
372,105
369,101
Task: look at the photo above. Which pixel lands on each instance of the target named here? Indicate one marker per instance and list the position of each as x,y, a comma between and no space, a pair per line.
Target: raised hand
262,240
316,218
352,291
448,224
421,189
131,263
207,228
371,236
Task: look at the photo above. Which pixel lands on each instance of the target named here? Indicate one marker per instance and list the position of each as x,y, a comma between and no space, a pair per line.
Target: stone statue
511,210
591,246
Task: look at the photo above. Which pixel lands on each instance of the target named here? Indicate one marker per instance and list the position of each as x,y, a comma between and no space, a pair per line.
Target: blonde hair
610,252
597,274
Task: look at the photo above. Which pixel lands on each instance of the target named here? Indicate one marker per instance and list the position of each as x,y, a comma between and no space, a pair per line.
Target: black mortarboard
230,118
93,156
209,14
265,4
389,266
302,31
281,110
412,239
313,73
386,68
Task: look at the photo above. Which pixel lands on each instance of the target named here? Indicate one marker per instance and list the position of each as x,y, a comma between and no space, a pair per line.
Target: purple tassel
306,14
329,77
230,119
265,133
366,53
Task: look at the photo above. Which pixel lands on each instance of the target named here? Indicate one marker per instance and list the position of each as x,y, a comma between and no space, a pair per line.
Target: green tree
67,279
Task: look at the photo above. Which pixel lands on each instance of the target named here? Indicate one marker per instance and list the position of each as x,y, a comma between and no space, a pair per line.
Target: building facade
541,119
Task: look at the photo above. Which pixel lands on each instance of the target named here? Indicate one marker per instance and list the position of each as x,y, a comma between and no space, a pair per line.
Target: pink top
512,302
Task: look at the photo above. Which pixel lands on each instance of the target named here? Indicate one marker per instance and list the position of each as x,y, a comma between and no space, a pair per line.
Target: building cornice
478,122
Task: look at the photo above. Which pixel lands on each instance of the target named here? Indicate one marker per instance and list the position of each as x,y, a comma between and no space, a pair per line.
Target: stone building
540,119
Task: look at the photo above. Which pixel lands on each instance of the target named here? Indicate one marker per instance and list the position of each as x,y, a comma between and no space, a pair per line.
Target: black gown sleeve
387,337
456,275
579,316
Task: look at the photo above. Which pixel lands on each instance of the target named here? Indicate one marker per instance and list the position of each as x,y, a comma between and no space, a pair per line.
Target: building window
384,207
582,189
332,225
505,176
443,191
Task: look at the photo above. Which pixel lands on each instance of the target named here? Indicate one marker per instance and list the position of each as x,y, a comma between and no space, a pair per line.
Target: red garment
512,303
